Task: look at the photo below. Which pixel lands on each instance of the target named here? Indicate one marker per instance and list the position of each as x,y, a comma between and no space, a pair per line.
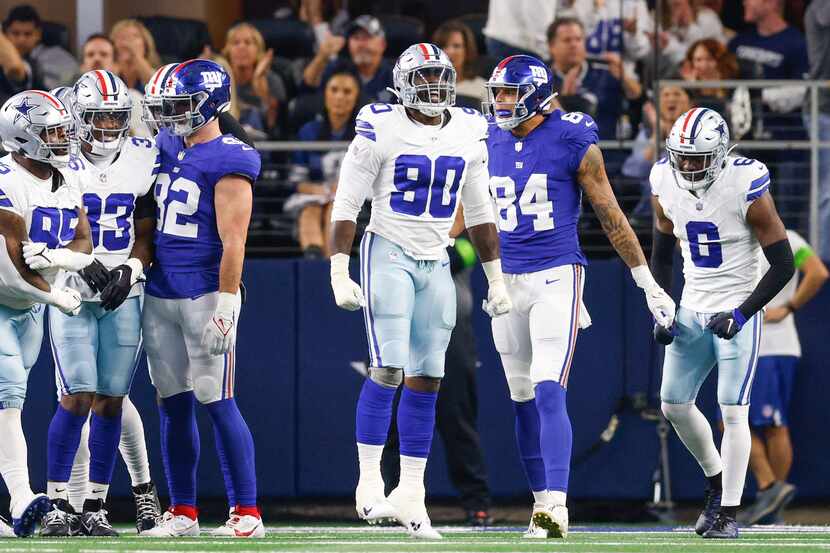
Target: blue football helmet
532,81
193,95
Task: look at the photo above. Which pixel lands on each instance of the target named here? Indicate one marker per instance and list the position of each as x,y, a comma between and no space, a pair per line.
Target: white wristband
339,264
643,277
492,269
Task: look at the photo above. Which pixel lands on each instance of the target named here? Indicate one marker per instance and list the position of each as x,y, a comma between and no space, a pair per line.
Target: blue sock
556,436
225,468
104,435
238,446
63,440
180,447
416,422
527,438
374,413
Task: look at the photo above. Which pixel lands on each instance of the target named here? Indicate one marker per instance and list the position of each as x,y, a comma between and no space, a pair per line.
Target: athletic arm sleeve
662,258
781,269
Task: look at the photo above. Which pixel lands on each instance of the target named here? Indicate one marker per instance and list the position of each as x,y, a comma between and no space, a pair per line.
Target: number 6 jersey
415,174
720,250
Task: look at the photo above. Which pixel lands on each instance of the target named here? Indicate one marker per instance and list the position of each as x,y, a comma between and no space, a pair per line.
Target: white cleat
372,506
6,530
553,520
240,526
412,515
533,531
173,526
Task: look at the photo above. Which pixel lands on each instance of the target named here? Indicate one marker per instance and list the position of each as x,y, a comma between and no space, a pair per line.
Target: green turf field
788,539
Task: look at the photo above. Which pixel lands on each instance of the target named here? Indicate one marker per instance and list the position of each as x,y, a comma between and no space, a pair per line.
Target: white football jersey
109,198
720,250
415,175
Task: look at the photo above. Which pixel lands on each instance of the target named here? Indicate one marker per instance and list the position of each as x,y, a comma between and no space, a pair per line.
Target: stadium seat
177,39
486,64
302,109
401,32
55,34
476,22
290,38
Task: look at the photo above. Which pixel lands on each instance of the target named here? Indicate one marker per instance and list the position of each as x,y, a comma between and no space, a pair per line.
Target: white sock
737,441
98,491
133,447
412,473
78,485
696,434
57,490
541,497
14,456
368,458
556,497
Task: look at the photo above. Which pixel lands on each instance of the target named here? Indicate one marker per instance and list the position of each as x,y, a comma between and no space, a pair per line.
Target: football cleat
372,506
553,520
147,507
768,504
724,528
412,514
60,520
711,508
5,530
94,520
240,526
173,526
533,531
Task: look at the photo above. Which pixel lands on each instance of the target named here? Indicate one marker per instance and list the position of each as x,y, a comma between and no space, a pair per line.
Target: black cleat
724,528
147,507
94,520
61,521
711,508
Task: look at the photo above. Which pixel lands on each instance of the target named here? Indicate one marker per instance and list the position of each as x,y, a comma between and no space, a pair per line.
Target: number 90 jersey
720,250
533,180
415,175
188,247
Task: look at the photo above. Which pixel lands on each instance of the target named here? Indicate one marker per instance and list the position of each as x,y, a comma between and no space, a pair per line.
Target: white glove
659,302
68,300
347,293
498,301
219,335
38,257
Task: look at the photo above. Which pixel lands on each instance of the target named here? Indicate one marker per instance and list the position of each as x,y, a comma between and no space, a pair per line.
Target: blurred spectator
315,173
366,43
135,52
16,75
457,40
98,52
817,26
258,88
594,87
51,66
323,16
617,26
674,101
775,50
710,60
518,27
682,24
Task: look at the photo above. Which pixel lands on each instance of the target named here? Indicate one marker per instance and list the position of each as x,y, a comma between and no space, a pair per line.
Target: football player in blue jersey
541,161
193,300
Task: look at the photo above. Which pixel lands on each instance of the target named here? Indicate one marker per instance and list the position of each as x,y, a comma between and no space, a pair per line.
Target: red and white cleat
241,526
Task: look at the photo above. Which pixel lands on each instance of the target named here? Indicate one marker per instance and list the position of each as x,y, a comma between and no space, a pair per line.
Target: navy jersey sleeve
235,158
579,132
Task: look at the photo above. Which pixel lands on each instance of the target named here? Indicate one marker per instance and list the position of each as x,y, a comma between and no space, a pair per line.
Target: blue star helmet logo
721,129
23,109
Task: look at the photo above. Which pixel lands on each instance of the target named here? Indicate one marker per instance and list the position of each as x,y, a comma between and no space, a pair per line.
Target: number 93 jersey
720,250
533,180
188,247
415,175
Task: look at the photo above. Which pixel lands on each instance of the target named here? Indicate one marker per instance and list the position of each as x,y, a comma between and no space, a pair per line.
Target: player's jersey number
53,226
704,244
118,205
533,202
177,200
422,186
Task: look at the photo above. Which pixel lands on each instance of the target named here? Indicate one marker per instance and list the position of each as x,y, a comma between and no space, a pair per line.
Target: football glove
68,300
659,302
726,324
498,301
664,336
347,293
219,335
96,276
38,257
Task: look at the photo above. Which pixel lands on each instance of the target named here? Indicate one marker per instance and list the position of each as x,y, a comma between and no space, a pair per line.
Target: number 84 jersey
720,250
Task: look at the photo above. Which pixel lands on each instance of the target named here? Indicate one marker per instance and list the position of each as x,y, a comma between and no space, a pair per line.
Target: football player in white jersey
415,160
96,353
43,225
719,207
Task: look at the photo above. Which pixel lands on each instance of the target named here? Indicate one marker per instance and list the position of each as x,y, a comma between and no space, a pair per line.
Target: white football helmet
424,79
39,126
102,107
697,146
151,104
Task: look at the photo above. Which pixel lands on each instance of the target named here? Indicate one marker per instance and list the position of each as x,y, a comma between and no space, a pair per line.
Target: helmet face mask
192,95
181,113
424,79
508,118
697,146
102,106
105,130
57,144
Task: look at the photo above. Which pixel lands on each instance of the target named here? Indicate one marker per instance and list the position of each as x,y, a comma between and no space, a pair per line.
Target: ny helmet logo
211,80
540,75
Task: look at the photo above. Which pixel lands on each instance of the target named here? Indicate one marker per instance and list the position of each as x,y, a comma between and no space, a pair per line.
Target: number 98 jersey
720,250
188,247
533,180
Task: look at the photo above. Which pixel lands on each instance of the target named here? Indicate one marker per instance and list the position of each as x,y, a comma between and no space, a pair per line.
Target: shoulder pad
578,124
372,117
473,118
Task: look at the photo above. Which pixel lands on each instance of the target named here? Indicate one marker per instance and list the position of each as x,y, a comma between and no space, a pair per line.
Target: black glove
95,275
726,324
663,335
118,288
